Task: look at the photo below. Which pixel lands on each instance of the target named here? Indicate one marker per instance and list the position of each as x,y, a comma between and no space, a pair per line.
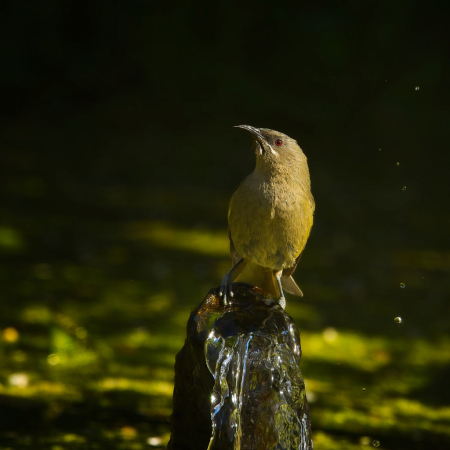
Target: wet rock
237,380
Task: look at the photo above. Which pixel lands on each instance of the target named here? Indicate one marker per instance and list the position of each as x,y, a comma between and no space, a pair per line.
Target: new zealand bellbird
270,217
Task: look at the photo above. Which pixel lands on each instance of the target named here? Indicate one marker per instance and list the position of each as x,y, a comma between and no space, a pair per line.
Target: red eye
278,142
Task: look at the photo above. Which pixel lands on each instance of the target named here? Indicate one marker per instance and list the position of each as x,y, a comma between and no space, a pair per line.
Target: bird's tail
251,273
289,285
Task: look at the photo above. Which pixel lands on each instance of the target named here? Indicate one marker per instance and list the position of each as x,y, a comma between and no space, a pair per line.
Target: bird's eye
278,142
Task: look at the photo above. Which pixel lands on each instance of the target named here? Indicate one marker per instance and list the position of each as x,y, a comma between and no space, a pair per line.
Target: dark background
119,114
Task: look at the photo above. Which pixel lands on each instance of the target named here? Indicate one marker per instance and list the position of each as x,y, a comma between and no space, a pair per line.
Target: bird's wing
235,256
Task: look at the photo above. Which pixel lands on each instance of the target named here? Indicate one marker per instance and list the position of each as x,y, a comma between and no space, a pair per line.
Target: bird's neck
294,172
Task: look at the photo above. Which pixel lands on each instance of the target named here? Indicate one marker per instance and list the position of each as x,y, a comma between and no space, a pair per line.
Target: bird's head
273,148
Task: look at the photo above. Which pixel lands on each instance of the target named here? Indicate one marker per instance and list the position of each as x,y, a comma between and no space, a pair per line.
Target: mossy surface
88,346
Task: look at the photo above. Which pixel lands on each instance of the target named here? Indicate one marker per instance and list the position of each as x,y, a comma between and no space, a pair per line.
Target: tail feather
264,278
289,285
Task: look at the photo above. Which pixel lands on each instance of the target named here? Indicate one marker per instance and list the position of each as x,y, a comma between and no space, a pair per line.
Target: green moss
89,340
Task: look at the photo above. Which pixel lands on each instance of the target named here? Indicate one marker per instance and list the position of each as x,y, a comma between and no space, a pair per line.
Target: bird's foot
281,300
226,288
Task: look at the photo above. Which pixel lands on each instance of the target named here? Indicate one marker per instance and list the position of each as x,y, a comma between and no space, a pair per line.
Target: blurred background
118,159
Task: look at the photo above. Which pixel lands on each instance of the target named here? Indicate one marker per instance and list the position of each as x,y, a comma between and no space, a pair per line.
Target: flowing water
258,400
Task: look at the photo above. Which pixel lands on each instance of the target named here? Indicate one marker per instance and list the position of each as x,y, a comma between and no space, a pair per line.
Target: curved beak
253,131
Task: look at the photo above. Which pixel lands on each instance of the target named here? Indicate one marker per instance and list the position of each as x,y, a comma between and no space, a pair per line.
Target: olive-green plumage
271,212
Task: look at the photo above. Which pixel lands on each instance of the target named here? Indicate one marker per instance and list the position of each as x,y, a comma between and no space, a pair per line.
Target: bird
270,217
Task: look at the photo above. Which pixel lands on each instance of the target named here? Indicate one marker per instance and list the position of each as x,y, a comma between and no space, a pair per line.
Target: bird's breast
270,223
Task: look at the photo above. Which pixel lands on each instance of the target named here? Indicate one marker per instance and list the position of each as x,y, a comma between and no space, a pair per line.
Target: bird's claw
226,289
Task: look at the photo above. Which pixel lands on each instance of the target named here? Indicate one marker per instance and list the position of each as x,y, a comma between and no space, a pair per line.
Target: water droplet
397,164
398,320
376,443
402,285
404,188
417,88
363,389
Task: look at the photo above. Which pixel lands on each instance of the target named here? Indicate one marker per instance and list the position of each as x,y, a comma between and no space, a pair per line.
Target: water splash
258,398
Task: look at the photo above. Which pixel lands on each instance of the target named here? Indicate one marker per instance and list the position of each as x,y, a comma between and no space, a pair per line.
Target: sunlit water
258,399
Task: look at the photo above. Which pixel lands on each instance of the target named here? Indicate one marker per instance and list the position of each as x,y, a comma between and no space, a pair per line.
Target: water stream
258,401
